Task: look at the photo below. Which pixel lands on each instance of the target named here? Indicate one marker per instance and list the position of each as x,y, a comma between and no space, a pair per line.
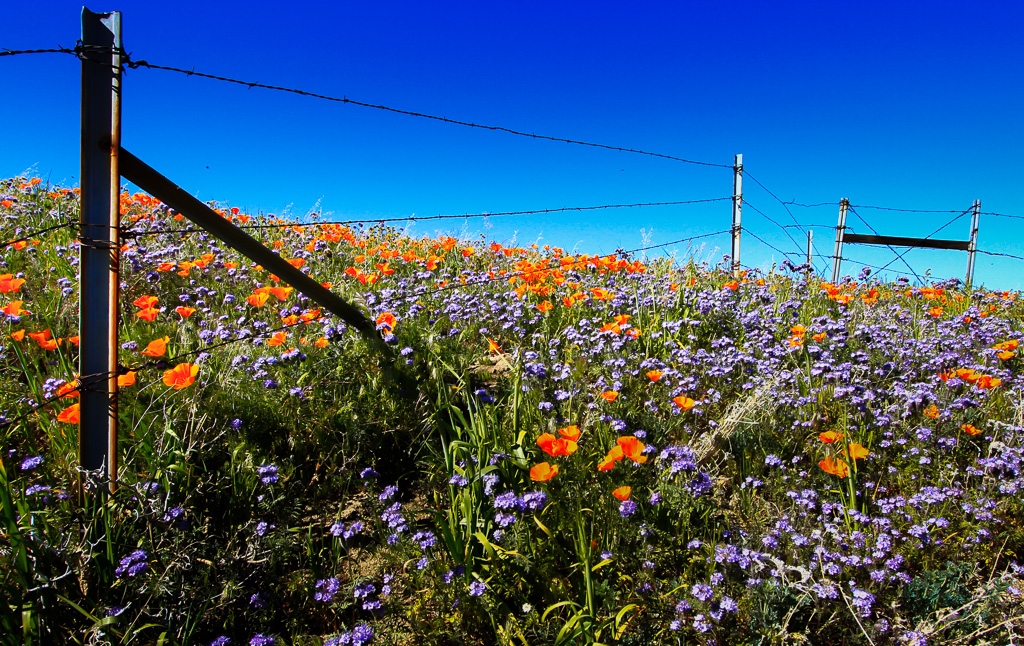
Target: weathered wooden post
837,258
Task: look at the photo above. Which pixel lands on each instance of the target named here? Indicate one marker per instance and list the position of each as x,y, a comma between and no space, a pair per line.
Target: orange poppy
829,437
683,402
1007,345
610,395
14,309
73,339
936,311
835,467
622,493
185,312
40,337
277,339
181,376
127,379
258,299
290,320
296,262
654,375
632,448
8,283
145,302
148,314
492,346
69,415
68,389
571,433
322,342
970,429
543,472
856,451
282,293
156,347
986,381
18,336
614,455
545,306
556,446
386,320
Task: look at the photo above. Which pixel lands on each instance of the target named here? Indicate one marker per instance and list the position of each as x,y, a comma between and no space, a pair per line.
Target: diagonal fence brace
139,173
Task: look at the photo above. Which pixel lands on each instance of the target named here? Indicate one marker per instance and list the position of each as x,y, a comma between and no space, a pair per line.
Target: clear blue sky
911,105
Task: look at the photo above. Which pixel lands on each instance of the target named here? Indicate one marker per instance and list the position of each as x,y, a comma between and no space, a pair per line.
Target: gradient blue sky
901,104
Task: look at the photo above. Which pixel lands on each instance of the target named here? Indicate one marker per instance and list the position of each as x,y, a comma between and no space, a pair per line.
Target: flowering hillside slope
569,449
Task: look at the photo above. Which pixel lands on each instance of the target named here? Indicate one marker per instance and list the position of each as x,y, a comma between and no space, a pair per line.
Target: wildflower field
570,449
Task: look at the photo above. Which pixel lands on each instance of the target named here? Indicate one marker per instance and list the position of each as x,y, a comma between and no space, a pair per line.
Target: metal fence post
973,243
840,230
810,250
100,241
737,206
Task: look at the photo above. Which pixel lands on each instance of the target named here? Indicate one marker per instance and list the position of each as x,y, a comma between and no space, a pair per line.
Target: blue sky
906,105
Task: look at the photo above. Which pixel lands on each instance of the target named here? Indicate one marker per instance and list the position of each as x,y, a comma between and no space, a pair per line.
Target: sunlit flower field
564,448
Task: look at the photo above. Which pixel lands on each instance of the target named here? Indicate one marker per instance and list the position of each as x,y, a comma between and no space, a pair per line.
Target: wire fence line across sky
128,63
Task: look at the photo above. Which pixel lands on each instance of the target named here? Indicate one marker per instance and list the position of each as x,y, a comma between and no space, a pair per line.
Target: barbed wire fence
127,63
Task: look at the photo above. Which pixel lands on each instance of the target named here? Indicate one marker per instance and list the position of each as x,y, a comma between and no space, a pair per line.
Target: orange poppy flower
181,376
296,262
185,312
970,429
278,338
829,437
932,412
835,467
935,311
322,342
290,320
571,433
614,455
145,302
156,347
310,316
734,285
856,451
50,344
683,402
148,314
127,379
610,395
556,446
69,415
18,336
40,337
68,389
73,339
14,309
632,448
1007,345
492,346
1006,355
986,381
8,283
543,472
545,306
258,299
654,375
386,320
622,493
282,293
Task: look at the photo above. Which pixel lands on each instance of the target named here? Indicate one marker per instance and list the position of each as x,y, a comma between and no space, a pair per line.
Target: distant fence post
844,204
810,249
737,206
100,242
973,242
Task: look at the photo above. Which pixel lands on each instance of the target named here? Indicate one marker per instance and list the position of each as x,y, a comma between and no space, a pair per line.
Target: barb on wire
430,217
811,206
29,236
898,256
411,113
1002,215
810,226
889,208
82,382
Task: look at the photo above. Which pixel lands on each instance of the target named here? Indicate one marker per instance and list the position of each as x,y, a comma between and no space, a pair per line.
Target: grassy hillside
571,449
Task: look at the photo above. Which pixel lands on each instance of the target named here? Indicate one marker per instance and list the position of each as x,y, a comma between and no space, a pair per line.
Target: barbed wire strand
777,198
773,221
872,230
413,218
908,250
27,237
